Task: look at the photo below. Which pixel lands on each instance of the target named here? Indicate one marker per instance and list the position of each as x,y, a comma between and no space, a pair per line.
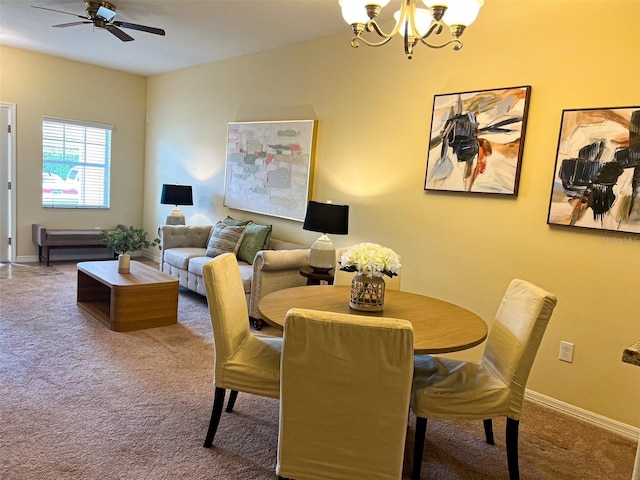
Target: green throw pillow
256,238
232,222
225,239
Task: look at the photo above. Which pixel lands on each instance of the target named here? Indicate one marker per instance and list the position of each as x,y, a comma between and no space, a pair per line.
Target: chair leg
488,431
418,449
216,413
232,401
512,448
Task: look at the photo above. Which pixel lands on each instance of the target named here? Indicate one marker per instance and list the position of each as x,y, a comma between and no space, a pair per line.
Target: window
76,161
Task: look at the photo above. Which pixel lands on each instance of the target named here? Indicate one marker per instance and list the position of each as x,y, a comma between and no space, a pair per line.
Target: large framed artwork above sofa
269,166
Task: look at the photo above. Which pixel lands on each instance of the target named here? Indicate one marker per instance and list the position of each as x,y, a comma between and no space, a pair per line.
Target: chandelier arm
434,29
372,26
457,44
358,38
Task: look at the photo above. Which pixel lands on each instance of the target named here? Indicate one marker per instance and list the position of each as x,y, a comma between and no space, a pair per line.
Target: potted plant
122,241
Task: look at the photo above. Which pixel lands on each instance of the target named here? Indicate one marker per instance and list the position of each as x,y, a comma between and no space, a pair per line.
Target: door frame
8,175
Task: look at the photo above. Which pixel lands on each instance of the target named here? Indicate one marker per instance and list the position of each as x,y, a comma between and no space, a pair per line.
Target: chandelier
422,24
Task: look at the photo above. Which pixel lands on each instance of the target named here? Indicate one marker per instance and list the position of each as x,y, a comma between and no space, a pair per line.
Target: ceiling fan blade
119,33
70,24
84,17
142,28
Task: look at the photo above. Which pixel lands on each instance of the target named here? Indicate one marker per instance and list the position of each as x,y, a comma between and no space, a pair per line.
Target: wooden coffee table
144,298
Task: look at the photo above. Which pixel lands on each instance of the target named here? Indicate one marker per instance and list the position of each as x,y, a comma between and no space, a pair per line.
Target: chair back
344,396
515,336
340,277
227,307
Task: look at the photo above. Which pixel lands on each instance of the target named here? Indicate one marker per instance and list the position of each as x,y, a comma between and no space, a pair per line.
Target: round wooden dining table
438,326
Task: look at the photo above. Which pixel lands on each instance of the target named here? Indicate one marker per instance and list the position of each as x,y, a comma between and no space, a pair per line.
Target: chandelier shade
413,23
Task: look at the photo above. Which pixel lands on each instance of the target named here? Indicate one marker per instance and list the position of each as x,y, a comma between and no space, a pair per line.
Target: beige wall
45,85
374,112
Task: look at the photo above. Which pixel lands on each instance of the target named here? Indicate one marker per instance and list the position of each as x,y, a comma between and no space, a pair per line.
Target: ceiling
197,32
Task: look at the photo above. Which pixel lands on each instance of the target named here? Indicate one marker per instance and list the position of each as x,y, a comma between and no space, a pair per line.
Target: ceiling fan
101,15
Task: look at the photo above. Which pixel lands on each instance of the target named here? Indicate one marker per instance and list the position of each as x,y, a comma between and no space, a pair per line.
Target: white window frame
81,177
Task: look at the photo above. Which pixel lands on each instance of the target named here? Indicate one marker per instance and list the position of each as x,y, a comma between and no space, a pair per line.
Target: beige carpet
78,401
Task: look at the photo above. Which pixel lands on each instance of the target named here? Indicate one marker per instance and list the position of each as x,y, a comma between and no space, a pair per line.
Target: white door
7,169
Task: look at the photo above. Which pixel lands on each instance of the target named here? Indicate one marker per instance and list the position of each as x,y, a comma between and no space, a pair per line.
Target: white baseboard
150,256
26,259
80,255
628,431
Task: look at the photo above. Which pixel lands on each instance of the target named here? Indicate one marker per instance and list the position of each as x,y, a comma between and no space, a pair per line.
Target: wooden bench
48,239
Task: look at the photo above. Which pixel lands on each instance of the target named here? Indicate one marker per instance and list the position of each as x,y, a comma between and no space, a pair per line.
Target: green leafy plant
130,240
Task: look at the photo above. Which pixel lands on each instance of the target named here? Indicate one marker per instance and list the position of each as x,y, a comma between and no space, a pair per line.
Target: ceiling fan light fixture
101,15
105,14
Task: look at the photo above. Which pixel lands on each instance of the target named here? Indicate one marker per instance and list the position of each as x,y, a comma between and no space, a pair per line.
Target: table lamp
176,195
325,218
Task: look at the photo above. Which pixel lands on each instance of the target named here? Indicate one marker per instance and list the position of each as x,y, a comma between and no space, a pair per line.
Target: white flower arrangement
370,259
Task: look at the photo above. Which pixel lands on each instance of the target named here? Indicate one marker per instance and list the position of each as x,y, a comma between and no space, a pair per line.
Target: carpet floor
79,401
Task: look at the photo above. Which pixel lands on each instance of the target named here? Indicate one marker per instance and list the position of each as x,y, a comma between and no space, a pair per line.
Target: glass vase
367,293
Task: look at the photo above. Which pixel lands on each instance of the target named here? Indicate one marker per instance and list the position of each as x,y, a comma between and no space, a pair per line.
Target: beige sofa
183,254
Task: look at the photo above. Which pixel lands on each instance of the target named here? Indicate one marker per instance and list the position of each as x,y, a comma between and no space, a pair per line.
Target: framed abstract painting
477,139
596,181
269,166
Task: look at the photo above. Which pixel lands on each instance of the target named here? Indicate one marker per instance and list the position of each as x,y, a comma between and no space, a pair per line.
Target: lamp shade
176,195
327,218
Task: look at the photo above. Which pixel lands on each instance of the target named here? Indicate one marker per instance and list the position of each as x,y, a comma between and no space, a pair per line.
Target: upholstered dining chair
244,361
340,277
493,387
344,396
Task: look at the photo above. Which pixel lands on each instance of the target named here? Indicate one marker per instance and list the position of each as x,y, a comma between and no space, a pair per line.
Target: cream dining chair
244,361
493,387
340,277
344,396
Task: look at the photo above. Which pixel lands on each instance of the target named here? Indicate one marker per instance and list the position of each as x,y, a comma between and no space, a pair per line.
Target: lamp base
175,217
322,256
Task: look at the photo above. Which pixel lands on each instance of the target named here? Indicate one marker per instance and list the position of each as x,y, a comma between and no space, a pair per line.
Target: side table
314,278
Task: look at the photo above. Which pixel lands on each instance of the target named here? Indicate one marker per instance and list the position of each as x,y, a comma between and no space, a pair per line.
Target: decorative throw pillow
235,223
225,239
256,238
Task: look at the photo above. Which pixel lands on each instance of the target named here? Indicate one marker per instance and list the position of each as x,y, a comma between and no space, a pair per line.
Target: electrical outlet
566,352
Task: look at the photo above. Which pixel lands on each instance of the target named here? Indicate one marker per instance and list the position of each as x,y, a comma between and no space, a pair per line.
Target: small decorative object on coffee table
123,241
371,261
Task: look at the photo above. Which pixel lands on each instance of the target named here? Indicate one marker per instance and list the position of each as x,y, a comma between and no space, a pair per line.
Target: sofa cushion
179,257
196,265
225,239
246,272
256,238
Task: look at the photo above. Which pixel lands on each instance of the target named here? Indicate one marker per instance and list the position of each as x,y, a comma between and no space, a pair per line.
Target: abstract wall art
268,167
596,181
477,139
